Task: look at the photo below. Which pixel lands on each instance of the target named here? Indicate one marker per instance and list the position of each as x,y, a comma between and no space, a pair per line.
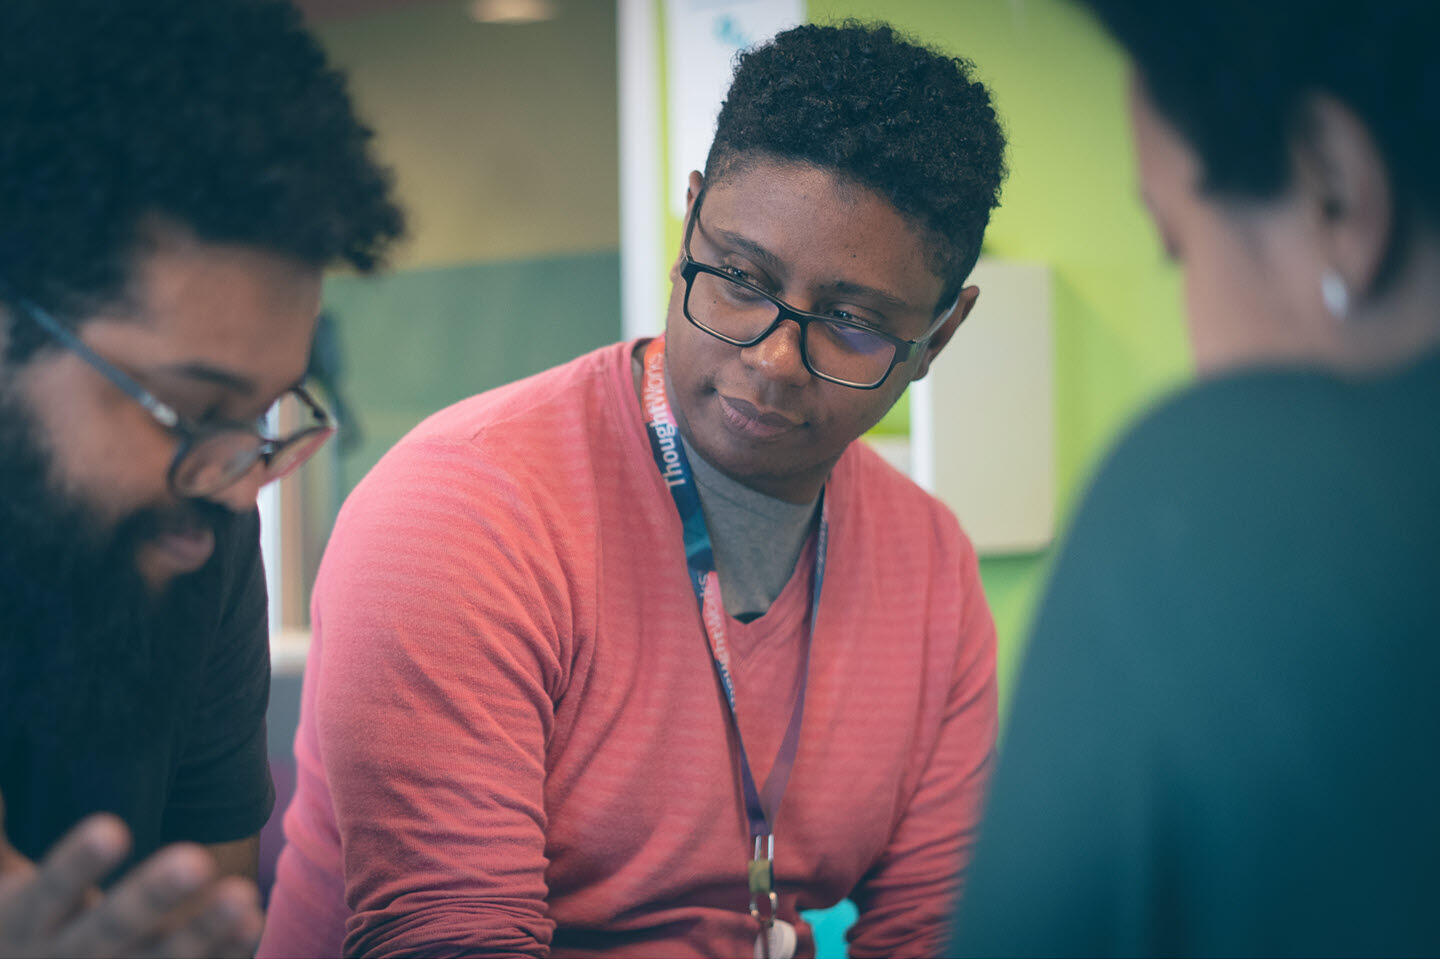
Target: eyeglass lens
223,457
834,350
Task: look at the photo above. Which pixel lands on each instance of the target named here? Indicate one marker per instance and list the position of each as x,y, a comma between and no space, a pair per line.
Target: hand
172,905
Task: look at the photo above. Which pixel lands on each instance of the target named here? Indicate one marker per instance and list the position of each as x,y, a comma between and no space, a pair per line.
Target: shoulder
544,430
1223,459
892,510
242,608
1243,525
1277,413
901,546
479,495
562,397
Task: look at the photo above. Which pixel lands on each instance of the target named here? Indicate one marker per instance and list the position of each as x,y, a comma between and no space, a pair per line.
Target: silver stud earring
1335,294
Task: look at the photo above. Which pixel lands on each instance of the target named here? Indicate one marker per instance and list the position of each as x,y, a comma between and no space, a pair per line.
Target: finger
142,907
58,887
228,924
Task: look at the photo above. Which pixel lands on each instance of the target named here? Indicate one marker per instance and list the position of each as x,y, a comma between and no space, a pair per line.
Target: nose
777,357
241,495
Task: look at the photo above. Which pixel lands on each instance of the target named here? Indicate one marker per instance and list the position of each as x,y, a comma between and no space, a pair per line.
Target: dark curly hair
1234,77
882,111
220,116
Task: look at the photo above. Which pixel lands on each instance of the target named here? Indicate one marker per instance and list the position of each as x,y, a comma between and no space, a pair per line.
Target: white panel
642,225
269,503
984,429
701,40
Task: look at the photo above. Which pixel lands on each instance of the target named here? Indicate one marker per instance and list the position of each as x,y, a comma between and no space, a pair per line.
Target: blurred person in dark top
174,178
1224,740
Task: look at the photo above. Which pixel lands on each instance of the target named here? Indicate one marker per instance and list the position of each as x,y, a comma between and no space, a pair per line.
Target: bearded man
174,179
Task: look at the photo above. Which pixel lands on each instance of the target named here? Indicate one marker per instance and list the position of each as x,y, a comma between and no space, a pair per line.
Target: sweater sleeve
906,901
443,616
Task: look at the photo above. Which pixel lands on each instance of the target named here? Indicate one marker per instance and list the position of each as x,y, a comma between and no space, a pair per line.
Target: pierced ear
963,305
1341,166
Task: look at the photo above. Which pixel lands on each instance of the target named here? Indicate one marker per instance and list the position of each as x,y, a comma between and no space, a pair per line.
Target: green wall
1071,202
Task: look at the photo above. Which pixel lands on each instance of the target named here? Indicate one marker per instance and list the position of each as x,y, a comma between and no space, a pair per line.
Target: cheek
693,357
1227,299
109,455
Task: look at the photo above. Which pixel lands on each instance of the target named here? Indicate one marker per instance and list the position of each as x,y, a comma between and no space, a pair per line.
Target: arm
906,900
1065,863
1068,816
440,613
239,858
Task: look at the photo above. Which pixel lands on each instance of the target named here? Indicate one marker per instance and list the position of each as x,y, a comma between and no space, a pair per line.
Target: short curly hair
220,116
882,111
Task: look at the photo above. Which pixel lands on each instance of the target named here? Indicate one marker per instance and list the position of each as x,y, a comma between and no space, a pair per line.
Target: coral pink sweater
513,740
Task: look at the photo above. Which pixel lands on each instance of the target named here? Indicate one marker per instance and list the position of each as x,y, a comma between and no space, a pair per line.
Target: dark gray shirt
1224,740
757,539
199,771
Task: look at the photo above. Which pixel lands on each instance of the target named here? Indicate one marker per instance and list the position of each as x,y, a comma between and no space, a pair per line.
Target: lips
185,551
175,543
750,420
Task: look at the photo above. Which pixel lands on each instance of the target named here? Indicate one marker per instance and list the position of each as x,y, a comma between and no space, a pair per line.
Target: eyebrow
205,373
748,246
861,290
774,263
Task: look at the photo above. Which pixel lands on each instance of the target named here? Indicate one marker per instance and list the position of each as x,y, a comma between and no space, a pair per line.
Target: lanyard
762,804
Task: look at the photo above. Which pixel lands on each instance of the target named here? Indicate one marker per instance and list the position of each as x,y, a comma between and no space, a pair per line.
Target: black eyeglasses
215,455
738,312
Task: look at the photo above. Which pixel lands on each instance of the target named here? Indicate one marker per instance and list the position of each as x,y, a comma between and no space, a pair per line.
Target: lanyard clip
764,901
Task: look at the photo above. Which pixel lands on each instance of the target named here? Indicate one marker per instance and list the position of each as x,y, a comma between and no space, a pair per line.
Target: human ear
963,305
692,190
1343,179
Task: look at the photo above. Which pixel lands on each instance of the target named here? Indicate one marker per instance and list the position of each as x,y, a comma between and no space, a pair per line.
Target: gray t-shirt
756,539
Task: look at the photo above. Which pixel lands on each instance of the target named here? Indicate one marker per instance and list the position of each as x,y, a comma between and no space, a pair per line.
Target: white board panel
701,40
983,422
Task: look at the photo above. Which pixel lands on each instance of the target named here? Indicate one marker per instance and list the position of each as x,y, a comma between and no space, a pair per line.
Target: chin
157,582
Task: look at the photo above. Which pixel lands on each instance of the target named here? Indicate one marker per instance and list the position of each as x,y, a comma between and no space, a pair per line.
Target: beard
89,654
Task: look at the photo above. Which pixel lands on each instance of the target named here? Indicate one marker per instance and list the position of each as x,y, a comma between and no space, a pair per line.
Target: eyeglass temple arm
157,408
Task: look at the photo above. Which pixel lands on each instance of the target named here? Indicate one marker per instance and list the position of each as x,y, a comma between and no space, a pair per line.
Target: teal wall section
419,340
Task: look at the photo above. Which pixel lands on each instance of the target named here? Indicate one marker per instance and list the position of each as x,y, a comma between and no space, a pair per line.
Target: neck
1401,324
1384,331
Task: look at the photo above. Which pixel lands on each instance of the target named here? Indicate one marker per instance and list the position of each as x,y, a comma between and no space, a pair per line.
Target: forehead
823,227
236,308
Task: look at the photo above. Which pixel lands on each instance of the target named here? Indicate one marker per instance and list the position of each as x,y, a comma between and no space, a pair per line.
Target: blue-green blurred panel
416,341
829,927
